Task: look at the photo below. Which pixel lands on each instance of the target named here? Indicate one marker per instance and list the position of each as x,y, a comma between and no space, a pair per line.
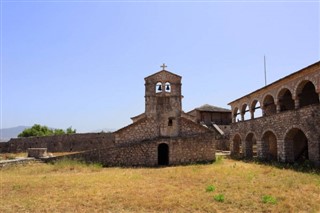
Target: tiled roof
210,108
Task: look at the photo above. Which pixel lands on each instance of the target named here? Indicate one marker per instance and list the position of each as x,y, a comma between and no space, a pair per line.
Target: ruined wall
307,119
60,143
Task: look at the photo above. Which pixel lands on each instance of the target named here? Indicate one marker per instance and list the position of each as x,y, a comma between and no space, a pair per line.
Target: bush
210,188
219,197
269,199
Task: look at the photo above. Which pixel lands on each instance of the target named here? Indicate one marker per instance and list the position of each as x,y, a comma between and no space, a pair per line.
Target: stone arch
236,145
245,112
256,109
158,88
269,106
250,145
306,93
296,143
163,154
285,99
236,114
269,150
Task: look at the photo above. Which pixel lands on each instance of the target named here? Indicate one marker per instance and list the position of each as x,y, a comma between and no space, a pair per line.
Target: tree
38,130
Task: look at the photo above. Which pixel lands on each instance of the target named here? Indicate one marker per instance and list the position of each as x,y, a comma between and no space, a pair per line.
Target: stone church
163,134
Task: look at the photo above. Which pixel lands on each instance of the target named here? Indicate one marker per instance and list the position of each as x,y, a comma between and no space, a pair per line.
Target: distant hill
8,133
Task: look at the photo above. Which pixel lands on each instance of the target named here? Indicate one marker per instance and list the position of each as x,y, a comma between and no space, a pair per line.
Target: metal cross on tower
163,66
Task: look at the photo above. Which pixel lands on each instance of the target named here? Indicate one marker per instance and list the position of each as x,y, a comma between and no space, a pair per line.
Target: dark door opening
163,154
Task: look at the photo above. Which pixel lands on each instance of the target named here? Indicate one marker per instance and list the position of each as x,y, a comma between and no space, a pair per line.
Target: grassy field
224,186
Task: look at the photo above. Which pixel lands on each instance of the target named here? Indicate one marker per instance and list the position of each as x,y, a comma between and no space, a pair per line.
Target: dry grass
76,187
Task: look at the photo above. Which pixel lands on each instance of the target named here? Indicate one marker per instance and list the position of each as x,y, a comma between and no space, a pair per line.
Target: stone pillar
231,147
247,149
278,106
252,114
281,150
242,116
296,102
261,150
263,111
288,154
314,151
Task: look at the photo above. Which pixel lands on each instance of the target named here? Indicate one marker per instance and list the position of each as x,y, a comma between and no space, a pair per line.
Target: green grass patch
219,197
219,159
269,199
210,188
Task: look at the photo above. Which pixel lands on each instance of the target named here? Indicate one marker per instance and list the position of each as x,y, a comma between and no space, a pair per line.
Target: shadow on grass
305,166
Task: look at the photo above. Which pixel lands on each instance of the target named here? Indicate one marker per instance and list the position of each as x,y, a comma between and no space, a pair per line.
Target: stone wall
60,143
182,150
138,131
189,127
306,119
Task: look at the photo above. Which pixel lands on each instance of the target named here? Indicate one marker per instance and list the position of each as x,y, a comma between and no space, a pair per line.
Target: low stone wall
60,143
37,152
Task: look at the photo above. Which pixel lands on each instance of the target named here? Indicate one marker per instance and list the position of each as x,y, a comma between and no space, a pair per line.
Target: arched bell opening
159,87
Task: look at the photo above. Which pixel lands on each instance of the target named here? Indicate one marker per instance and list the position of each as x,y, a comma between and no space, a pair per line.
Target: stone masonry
287,128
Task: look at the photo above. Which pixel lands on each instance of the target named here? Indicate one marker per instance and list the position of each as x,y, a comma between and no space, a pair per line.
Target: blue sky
83,63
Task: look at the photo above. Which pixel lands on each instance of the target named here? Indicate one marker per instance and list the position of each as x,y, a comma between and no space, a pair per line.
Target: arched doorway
250,146
269,142
163,154
236,149
297,144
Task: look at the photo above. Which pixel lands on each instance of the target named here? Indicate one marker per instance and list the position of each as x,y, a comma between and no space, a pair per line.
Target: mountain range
13,132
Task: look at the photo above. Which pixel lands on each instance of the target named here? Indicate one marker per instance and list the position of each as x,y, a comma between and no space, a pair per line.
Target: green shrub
269,199
210,188
219,197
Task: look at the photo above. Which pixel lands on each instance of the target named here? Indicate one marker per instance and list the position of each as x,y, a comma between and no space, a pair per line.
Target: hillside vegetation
225,186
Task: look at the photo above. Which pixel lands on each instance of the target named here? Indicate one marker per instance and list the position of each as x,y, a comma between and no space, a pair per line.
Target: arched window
236,115
269,105
245,112
285,100
307,94
167,87
158,87
256,108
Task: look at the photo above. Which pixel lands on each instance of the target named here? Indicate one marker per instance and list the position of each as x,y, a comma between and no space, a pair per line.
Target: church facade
163,134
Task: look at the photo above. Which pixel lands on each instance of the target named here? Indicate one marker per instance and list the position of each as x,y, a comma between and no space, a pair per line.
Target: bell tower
163,100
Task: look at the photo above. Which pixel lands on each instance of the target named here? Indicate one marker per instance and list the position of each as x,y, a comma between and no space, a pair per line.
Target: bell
168,88
159,88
